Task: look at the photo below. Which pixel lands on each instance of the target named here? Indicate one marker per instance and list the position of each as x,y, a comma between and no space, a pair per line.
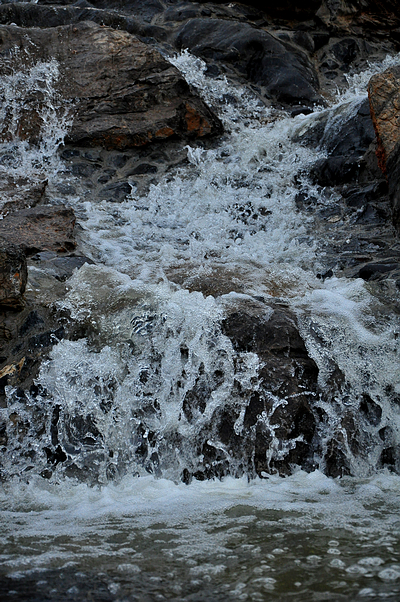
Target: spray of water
143,392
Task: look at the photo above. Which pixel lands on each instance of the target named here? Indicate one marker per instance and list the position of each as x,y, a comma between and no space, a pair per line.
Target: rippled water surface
303,537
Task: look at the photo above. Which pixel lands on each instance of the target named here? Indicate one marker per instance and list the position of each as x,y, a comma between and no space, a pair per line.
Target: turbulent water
115,524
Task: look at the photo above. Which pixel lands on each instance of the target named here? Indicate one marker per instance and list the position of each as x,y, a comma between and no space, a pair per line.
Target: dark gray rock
346,137
13,275
393,170
284,72
286,395
60,267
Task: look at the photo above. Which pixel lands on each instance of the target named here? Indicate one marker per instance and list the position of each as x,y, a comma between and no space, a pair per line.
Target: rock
13,276
26,14
286,9
25,339
346,136
284,71
384,98
42,228
279,415
374,271
60,268
393,169
350,15
19,193
144,10
108,74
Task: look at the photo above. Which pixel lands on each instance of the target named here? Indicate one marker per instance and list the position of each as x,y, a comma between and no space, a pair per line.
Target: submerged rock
122,92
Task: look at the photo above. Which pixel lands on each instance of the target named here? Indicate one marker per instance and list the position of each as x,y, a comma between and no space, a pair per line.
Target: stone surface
284,71
287,387
13,276
20,193
384,97
42,228
346,137
348,15
123,92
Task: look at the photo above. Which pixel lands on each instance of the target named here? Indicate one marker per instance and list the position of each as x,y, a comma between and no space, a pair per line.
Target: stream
219,229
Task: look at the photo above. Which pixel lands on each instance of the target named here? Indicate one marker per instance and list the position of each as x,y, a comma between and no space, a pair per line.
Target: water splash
34,119
155,375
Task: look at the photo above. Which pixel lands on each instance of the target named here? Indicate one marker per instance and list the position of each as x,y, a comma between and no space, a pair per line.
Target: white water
228,218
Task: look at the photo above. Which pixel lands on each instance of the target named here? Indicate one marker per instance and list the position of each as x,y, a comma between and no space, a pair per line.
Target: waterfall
150,387
132,468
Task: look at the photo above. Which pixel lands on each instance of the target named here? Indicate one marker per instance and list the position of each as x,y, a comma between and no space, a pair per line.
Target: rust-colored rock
43,228
123,93
13,276
384,98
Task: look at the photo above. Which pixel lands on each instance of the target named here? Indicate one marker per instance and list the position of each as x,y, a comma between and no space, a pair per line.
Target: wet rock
375,270
346,137
60,267
42,228
284,72
286,9
350,15
384,97
27,14
116,192
393,170
144,10
13,276
19,193
108,74
279,422
25,338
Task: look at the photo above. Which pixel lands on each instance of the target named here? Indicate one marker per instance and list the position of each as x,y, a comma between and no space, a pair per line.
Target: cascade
163,408
157,386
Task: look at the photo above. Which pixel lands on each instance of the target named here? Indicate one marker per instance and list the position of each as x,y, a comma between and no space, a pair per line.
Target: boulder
279,422
384,98
42,228
282,70
122,92
13,276
345,134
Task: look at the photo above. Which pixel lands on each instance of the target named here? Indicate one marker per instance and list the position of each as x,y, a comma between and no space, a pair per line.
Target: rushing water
222,229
